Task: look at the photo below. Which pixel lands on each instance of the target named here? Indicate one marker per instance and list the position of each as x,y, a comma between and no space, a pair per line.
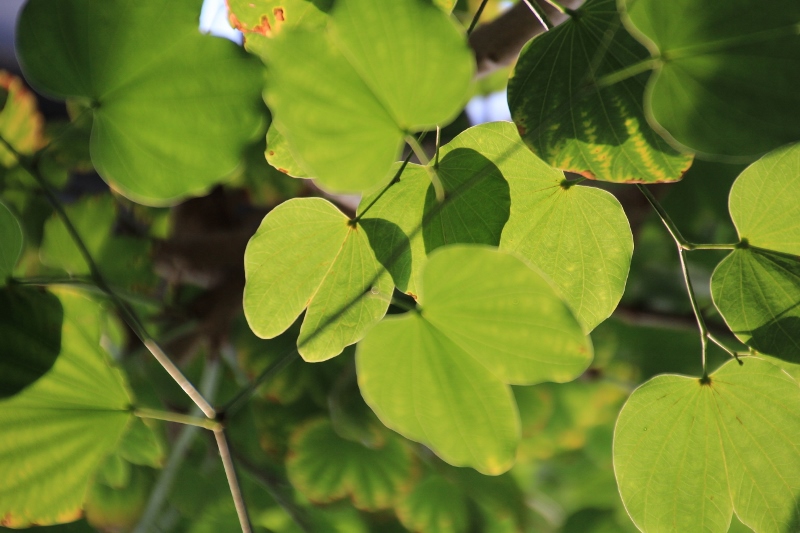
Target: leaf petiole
432,173
178,418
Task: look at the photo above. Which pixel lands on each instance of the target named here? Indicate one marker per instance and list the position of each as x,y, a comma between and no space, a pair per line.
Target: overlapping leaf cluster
467,296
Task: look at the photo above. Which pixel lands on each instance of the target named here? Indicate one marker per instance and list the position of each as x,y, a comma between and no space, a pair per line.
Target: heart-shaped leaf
58,431
10,243
688,453
306,253
600,132
709,89
324,467
345,98
757,288
30,336
440,376
173,109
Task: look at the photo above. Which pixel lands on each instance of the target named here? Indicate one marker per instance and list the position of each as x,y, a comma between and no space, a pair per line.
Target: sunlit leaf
172,109
280,156
306,254
440,376
407,222
325,467
757,287
578,236
601,133
687,454
30,336
10,243
58,431
708,91
21,124
434,506
264,19
345,98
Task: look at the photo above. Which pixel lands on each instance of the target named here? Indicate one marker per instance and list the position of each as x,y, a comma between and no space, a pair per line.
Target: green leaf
21,124
306,254
407,222
324,467
10,243
118,509
172,109
601,133
578,236
142,445
757,287
30,336
58,431
440,376
123,260
758,294
687,453
346,98
708,91
280,156
434,506
765,202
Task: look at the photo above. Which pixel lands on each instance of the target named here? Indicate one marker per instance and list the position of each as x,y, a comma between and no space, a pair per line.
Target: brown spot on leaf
271,153
279,14
413,295
522,130
263,27
283,170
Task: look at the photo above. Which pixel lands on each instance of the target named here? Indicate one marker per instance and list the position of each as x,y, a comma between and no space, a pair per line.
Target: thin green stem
689,246
730,352
628,72
394,180
29,165
209,382
438,146
539,14
680,242
167,416
416,147
558,7
477,16
233,480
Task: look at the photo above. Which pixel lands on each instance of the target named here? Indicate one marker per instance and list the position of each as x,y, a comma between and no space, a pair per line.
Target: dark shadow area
391,246
480,210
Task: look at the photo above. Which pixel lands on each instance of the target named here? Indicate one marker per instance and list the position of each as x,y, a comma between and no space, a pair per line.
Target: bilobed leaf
434,506
172,109
30,336
758,294
757,287
21,124
440,376
58,431
600,132
306,254
687,454
10,243
765,201
578,236
345,98
324,467
708,92
280,156
407,222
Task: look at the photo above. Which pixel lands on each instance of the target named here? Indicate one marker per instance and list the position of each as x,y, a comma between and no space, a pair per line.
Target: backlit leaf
306,254
757,287
324,467
21,124
345,98
172,109
58,431
709,89
687,454
280,156
601,133
440,376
